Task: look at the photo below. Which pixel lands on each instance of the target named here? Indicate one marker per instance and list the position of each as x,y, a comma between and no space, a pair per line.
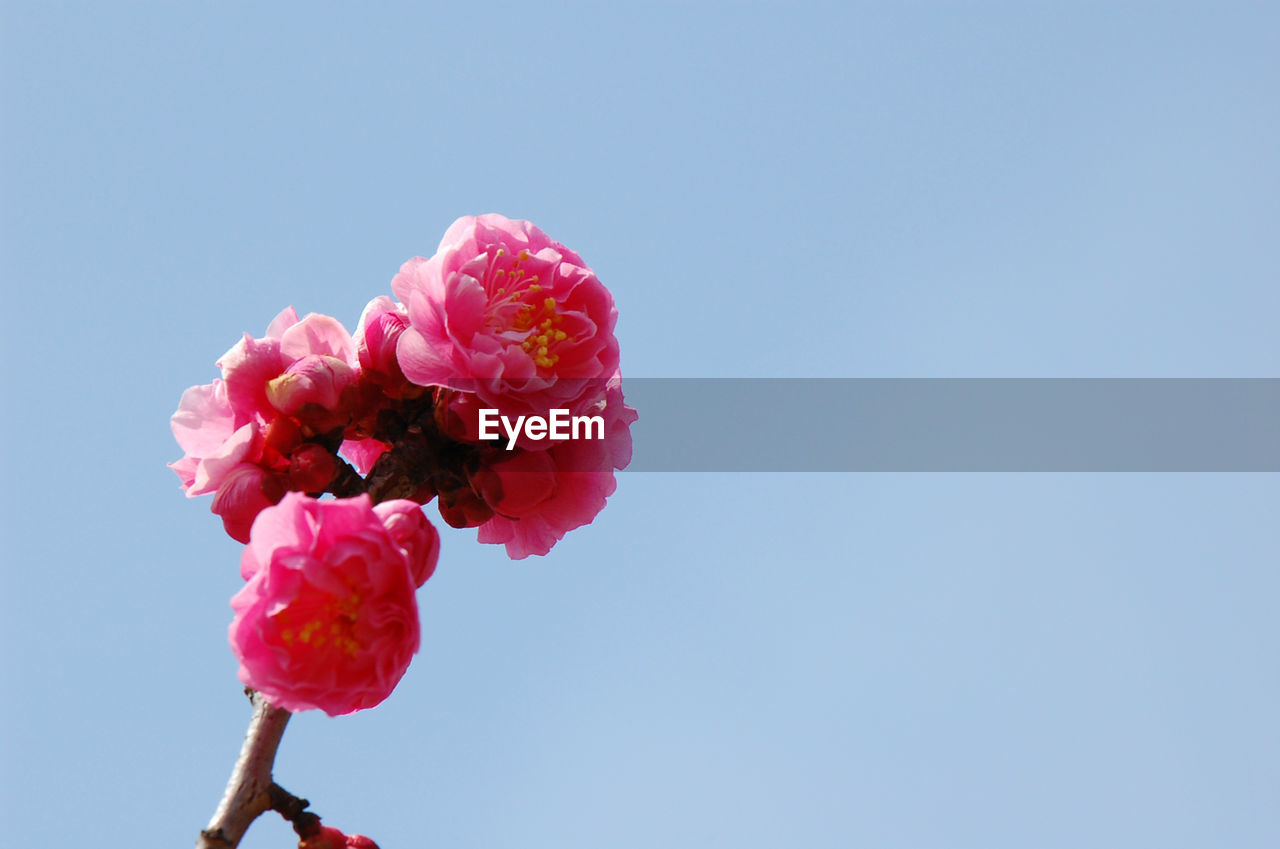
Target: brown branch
248,791
346,481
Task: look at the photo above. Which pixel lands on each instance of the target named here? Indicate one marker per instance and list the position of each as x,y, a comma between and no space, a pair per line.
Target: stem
248,791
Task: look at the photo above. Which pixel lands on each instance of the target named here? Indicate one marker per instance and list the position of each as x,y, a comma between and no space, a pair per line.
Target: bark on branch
249,792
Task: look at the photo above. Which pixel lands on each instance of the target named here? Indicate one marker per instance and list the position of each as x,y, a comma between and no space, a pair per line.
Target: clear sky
737,660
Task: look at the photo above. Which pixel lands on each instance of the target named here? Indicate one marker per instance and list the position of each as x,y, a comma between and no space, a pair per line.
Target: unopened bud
315,379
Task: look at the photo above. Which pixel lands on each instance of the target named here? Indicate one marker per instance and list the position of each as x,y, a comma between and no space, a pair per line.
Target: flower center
334,623
516,304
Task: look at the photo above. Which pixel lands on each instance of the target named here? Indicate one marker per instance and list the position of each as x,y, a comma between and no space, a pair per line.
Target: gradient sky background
726,660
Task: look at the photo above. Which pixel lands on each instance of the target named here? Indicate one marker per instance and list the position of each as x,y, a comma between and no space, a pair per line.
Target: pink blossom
381,324
245,436
245,492
503,310
313,379
539,496
416,536
311,468
327,617
332,838
363,453
381,382
206,430
248,366
298,363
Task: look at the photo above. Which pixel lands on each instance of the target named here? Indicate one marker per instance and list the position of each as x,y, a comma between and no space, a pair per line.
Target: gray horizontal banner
955,425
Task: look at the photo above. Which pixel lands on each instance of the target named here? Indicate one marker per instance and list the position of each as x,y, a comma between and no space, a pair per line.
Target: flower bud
380,327
245,492
416,536
461,507
312,468
314,379
516,487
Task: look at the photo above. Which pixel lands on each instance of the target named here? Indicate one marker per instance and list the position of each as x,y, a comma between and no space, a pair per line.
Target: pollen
309,630
332,623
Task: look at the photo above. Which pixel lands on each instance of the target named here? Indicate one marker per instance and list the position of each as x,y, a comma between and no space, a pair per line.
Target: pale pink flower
506,312
539,496
223,461
206,430
327,618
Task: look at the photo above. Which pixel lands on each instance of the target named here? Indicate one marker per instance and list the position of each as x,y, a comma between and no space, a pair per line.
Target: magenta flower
327,618
539,496
503,310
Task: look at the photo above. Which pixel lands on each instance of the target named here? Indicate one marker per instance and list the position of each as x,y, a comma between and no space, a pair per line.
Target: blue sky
745,660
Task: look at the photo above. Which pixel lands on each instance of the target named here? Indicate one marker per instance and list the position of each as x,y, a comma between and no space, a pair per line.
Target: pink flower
381,324
327,617
245,492
504,311
314,379
332,838
539,496
221,460
206,430
245,435
416,536
311,468
382,385
363,453
304,369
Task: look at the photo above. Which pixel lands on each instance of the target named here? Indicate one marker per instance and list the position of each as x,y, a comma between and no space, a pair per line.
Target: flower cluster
501,319
268,425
